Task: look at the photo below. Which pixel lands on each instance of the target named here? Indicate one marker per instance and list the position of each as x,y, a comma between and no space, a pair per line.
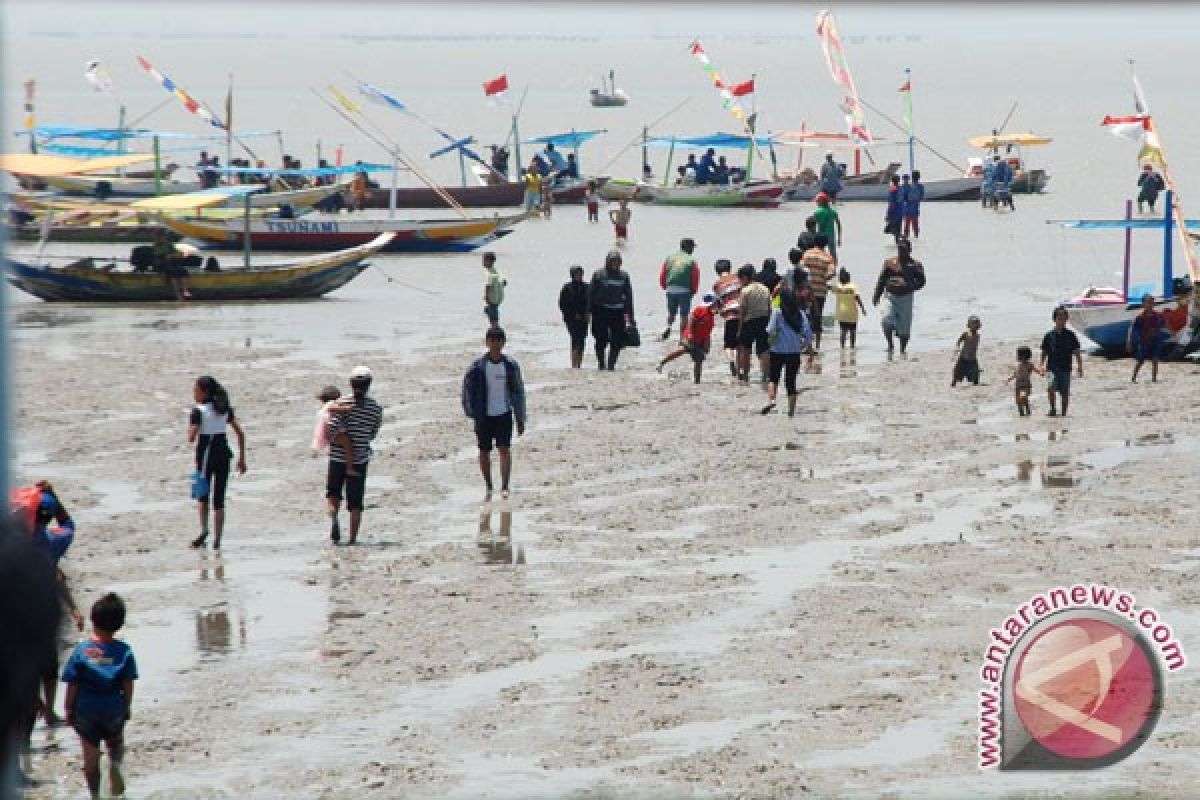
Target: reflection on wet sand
497,548
214,631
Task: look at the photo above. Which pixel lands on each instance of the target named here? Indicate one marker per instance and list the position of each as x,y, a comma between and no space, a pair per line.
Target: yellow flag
346,102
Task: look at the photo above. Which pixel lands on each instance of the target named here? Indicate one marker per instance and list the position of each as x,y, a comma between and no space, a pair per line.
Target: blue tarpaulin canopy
729,140
573,139
1116,224
117,134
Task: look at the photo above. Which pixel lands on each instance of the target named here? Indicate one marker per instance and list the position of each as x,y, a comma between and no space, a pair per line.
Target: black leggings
786,364
579,330
216,469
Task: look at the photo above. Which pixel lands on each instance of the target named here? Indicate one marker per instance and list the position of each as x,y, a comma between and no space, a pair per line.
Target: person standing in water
912,206
350,436
611,299
493,395
680,278
211,417
830,224
901,276
620,217
966,364
574,303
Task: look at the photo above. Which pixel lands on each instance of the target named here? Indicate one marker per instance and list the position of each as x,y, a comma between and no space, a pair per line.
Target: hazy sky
1019,22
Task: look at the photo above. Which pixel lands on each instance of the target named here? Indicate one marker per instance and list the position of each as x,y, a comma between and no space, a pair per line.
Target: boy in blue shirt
99,677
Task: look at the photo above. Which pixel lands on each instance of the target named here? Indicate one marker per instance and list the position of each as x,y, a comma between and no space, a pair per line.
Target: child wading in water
966,367
99,677
849,303
1023,375
697,336
620,217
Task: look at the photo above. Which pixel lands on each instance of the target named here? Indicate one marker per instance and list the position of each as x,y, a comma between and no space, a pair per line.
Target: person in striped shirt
820,272
350,436
728,290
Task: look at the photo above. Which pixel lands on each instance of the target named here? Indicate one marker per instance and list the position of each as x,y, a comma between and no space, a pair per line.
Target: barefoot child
1023,375
1059,346
593,202
329,406
1145,338
966,367
620,217
697,336
99,677
849,303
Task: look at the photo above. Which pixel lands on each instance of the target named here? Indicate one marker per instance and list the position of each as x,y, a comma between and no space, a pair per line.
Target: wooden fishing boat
105,186
315,232
941,190
98,280
756,194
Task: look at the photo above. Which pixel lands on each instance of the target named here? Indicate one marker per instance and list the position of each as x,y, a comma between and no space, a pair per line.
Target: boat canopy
728,140
312,172
118,134
572,139
40,165
991,141
188,201
1117,224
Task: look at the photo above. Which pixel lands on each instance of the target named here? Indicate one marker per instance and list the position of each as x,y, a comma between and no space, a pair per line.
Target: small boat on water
734,192
608,95
316,232
99,280
1025,180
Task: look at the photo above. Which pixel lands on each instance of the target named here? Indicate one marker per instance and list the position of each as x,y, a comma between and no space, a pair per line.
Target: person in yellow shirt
533,189
848,304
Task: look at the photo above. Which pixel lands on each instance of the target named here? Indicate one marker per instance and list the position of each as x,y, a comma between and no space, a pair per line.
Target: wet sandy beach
682,598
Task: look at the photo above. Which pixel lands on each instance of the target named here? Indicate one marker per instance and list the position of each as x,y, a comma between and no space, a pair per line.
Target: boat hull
764,194
1107,324
310,278
497,195
948,190
87,185
318,233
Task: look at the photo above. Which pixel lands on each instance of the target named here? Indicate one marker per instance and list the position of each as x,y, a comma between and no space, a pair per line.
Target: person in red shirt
1145,338
697,336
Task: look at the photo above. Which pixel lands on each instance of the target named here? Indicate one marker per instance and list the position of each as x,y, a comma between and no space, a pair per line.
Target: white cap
360,373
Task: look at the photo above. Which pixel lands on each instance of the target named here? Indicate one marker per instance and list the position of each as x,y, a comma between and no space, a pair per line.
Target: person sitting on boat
687,177
570,172
1150,183
499,163
720,173
693,167
540,166
831,177
708,167
555,163
168,259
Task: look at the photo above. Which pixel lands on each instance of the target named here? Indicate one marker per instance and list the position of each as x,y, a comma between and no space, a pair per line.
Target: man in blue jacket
493,395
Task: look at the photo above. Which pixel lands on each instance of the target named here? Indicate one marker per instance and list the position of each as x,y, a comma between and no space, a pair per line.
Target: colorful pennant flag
742,89
496,86
835,58
95,74
188,102
30,121
377,95
346,102
727,95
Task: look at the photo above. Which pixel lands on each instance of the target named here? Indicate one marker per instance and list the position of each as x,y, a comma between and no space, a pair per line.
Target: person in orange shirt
697,336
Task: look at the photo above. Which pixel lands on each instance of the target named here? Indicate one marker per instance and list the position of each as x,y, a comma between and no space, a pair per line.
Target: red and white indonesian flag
1137,128
496,90
1133,127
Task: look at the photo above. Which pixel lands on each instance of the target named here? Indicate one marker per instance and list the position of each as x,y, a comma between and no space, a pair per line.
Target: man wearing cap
611,298
680,278
350,435
831,177
829,224
696,337
493,395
